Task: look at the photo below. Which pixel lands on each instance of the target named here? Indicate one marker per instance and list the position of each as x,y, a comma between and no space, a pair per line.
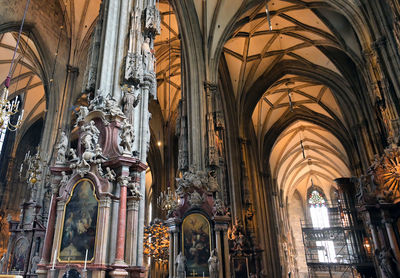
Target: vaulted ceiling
282,33
168,62
306,154
26,72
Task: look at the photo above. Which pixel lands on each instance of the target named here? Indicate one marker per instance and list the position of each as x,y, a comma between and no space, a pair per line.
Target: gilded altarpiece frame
79,224
196,244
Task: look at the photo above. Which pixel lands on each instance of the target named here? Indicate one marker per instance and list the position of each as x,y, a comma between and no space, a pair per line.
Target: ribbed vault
306,152
27,73
168,54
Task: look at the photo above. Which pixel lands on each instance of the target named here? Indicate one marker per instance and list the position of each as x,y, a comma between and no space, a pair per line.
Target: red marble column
119,255
51,223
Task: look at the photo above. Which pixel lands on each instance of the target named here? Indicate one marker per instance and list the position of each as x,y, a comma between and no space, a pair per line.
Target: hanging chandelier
10,108
168,201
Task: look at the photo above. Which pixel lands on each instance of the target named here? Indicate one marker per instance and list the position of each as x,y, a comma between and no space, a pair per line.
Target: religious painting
196,242
79,224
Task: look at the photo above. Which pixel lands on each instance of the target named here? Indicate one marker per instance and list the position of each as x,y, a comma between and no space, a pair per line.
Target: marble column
119,262
46,253
131,239
218,246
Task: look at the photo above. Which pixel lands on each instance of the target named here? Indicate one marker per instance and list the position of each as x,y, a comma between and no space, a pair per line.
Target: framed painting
196,243
79,223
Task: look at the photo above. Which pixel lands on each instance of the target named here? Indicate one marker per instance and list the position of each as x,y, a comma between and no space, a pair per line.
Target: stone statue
213,264
148,56
112,107
34,263
212,182
130,101
82,113
62,148
219,207
180,266
72,154
97,102
110,174
64,179
127,137
90,135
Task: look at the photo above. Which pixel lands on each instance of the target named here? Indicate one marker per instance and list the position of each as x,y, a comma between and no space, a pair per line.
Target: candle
203,274
54,259
85,259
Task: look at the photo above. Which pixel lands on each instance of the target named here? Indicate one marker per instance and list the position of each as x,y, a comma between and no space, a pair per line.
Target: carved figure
110,174
213,264
148,56
112,107
212,182
90,135
97,102
219,207
62,148
72,154
64,179
127,137
195,199
180,265
34,263
82,113
130,101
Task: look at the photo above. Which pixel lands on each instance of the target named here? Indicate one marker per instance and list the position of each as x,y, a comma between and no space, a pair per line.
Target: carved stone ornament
195,199
219,208
112,108
127,138
62,148
97,103
130,101
385,174
90,136
134,68
82,113
134,188
153,20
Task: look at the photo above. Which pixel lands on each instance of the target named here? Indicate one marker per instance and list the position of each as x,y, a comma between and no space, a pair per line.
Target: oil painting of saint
196,243
80,219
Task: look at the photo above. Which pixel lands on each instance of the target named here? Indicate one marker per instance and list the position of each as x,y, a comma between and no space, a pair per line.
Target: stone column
171,257
222,245
173,224
46,253
103,231
119,263
218,246
132,226
391,235
226,254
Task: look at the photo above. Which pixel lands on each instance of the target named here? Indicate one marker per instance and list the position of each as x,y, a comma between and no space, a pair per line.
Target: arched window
320,220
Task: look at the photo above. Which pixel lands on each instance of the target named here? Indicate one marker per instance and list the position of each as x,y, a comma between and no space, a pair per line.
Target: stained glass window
320,220
316,199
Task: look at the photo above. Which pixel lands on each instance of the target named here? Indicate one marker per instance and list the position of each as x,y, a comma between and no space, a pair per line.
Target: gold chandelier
7,110
156,241
168,201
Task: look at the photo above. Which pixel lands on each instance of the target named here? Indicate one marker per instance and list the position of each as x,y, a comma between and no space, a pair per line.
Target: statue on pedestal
130,101
62,148
180,265
127,137
213,264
